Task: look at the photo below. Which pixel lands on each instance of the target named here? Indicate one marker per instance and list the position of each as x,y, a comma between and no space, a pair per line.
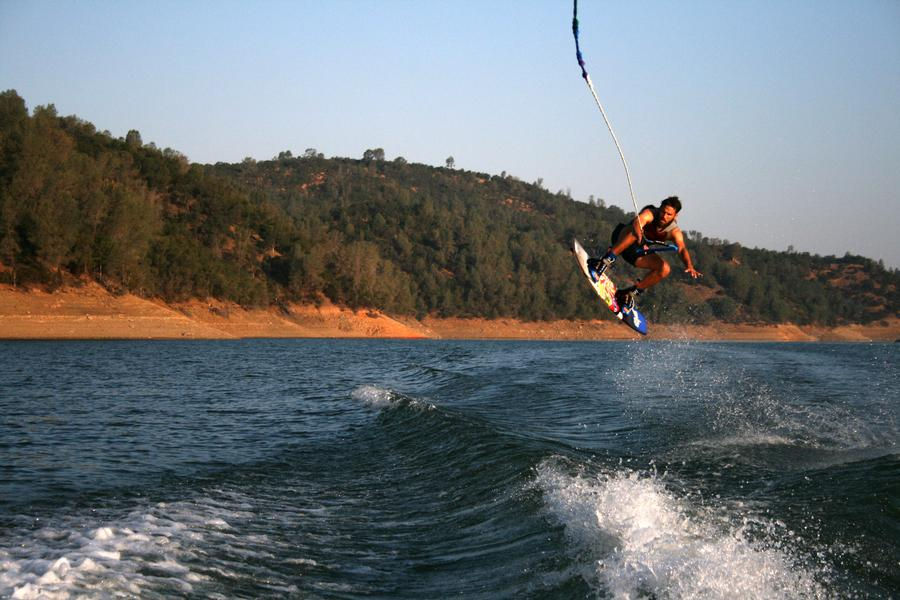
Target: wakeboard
606,289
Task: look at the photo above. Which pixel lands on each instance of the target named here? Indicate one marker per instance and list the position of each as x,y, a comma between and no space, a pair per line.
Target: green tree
375,154
44,184
133,139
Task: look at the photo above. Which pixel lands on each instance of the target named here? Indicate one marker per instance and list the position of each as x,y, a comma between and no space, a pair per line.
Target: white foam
102,534
638,540
151,547
61,567
218,524
49,578
28,592
89,566
747,439
380,398
374,396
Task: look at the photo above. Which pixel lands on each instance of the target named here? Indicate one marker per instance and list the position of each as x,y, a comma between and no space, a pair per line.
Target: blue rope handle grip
653,247
584,73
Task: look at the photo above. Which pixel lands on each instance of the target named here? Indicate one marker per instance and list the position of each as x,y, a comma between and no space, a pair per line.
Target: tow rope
587,79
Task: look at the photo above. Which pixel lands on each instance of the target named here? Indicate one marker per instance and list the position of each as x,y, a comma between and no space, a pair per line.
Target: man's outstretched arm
685,255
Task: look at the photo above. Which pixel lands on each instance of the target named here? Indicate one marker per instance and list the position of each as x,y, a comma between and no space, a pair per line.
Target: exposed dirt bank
91,312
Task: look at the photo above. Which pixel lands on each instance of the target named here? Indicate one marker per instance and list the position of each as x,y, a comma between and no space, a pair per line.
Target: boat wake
636,538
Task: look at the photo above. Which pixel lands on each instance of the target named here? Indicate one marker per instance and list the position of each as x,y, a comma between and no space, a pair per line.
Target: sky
777,122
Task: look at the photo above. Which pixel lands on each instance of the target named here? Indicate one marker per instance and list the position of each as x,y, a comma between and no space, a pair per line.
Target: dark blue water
348,469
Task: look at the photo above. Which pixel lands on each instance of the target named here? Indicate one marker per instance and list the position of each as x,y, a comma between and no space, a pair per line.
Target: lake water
430,469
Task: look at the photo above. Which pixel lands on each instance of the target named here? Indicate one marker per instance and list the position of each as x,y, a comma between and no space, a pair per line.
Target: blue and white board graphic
606,289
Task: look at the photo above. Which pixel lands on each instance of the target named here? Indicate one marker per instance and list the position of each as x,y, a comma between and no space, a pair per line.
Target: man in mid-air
650,225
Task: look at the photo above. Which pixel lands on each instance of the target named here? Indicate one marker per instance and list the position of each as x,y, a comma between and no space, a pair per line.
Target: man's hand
693,272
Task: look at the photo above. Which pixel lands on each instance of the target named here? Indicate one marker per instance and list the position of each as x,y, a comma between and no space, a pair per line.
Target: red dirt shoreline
91,312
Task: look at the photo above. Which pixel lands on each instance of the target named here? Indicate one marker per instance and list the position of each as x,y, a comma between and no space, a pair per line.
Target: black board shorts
629,253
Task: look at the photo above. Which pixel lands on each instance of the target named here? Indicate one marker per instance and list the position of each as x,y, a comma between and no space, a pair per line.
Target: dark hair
672,201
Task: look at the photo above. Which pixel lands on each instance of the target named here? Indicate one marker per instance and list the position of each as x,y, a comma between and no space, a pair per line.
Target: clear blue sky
777,122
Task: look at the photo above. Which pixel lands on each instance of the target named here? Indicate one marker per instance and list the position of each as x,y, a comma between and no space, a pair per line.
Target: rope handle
654,247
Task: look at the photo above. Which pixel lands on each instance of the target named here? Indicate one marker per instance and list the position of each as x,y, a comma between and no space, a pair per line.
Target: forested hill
408,238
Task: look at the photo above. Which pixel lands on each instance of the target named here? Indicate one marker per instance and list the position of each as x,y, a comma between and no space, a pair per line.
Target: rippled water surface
428,469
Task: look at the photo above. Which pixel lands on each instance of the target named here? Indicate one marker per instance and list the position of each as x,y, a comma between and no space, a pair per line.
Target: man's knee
665,269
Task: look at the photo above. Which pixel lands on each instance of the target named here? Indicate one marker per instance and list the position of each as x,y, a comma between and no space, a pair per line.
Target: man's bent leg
598,266
625,241
659,270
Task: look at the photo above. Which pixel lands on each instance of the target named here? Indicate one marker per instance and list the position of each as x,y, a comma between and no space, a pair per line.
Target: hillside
408,239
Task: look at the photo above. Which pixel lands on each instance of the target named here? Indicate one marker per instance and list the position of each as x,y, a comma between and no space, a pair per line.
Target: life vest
652,232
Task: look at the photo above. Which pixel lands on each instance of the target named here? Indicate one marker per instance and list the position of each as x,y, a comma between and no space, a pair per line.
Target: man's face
666,215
